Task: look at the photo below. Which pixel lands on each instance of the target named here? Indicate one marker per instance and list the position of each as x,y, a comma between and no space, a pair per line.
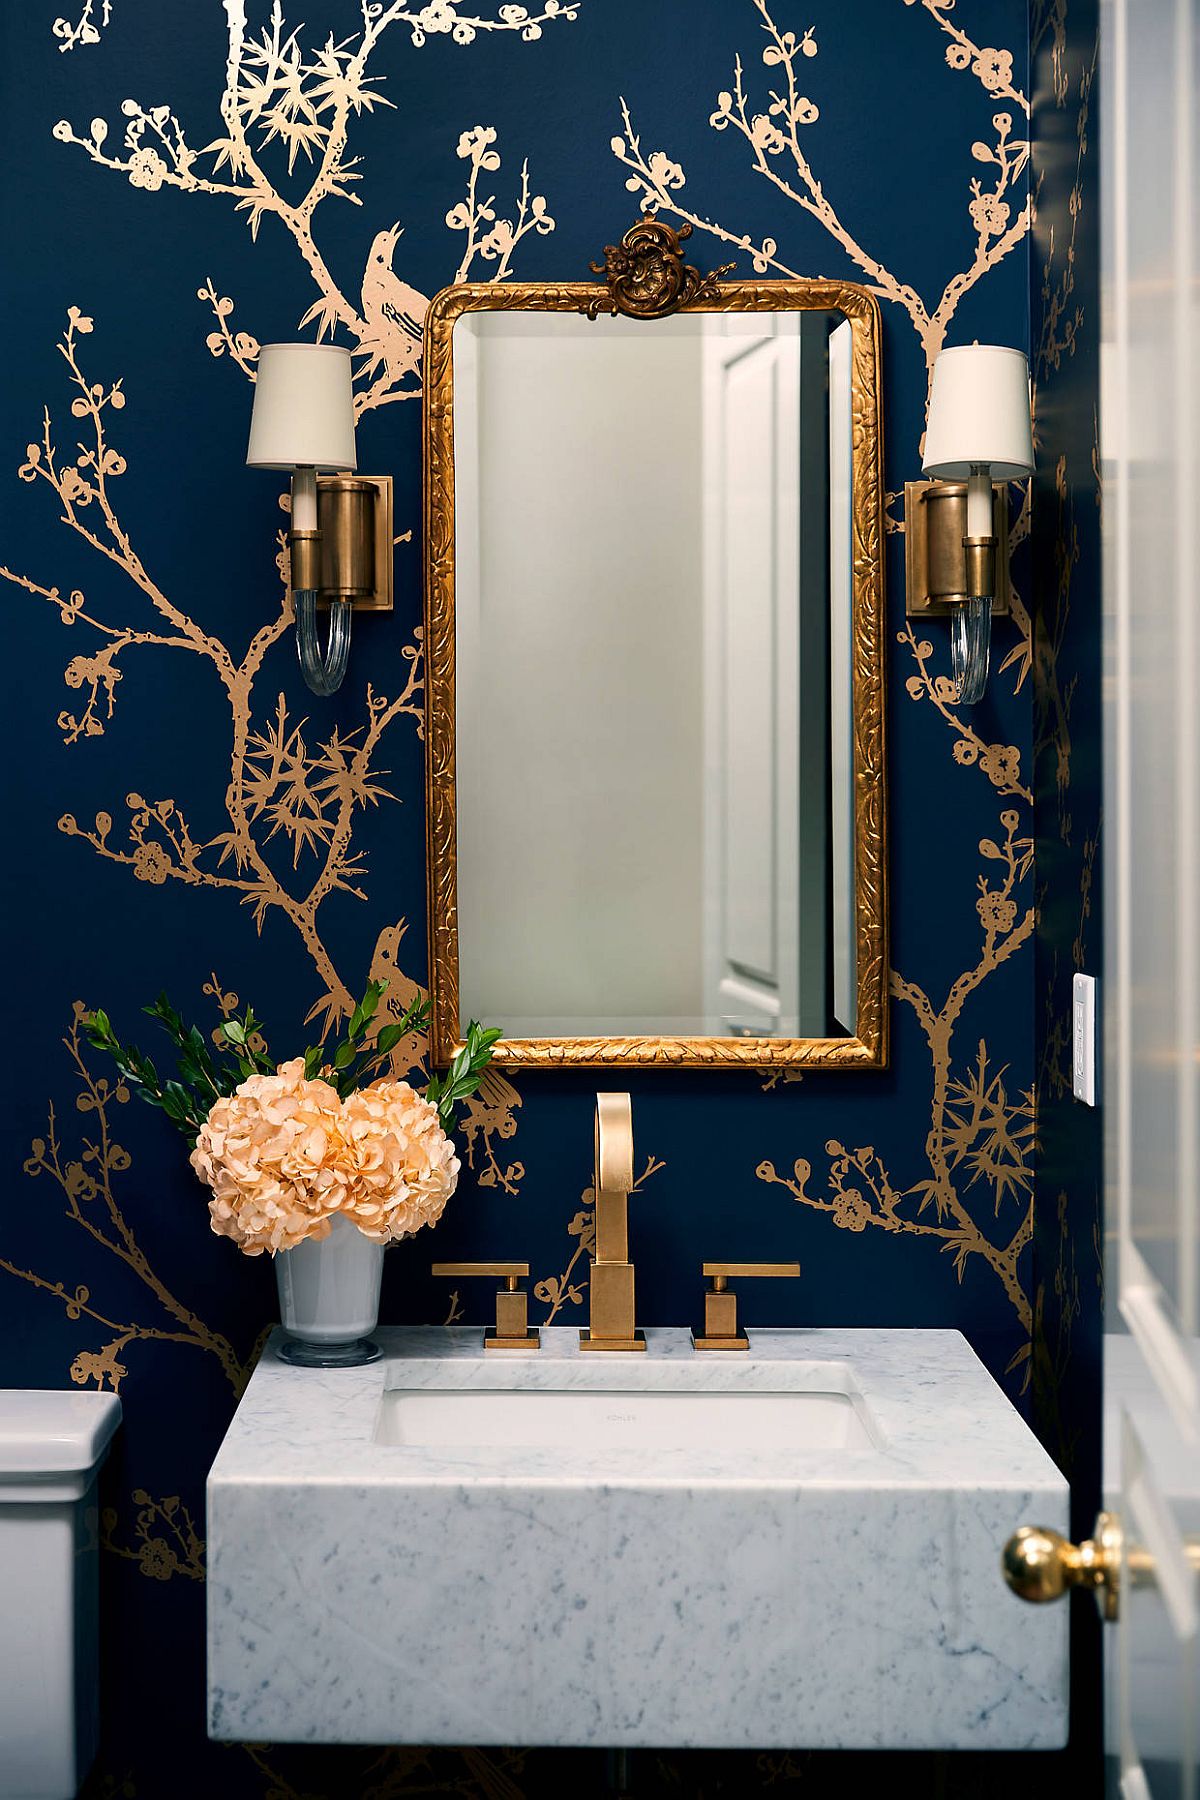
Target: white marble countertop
942,1419
776,1597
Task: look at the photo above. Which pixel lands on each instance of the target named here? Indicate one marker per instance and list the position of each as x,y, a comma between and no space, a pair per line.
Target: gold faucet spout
613,1177
613,1313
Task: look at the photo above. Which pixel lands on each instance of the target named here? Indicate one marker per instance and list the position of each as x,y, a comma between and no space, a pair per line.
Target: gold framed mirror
656,811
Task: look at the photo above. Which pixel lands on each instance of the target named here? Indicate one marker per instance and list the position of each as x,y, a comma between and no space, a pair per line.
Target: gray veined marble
795,1547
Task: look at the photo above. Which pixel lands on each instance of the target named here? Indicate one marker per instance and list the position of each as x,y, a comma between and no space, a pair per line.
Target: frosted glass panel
1150,402
1163,691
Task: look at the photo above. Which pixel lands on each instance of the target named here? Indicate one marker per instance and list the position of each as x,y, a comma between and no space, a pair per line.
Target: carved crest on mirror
646,275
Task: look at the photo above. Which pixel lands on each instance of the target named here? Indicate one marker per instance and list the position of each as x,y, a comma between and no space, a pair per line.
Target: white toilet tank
51,1445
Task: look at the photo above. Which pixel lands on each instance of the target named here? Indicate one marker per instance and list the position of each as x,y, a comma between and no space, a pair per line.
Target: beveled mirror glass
653,623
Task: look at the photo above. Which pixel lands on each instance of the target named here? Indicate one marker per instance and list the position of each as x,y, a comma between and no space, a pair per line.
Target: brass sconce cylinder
346,520
979,555
945,504
306,558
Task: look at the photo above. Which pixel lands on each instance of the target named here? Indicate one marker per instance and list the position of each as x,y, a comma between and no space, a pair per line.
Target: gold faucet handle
720,1302
512,1330
730,1271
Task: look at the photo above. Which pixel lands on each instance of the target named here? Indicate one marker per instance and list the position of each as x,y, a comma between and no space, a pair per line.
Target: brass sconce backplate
935,523
356,540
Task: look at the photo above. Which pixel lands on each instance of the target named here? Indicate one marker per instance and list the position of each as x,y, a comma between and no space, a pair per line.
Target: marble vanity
795,1546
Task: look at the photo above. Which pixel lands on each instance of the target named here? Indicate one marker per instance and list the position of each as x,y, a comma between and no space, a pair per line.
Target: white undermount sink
831,1415
793,1547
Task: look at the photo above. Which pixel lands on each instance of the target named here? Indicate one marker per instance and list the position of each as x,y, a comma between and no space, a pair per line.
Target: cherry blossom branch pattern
1059,322
557,1291
165,1539
287,100
278,786
979,1133
85,1181
992,67
85,29
775,135
493,239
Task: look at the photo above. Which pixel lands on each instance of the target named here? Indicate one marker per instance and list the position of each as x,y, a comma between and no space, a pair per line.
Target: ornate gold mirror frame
646,277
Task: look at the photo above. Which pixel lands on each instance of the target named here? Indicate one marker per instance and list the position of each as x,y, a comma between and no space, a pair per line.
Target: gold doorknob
1041,1565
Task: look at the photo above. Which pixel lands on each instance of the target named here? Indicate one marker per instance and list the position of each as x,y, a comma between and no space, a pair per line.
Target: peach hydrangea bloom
400,1164
273,1154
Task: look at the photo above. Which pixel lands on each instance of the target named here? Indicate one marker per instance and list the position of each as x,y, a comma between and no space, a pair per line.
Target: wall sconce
341,531
956,525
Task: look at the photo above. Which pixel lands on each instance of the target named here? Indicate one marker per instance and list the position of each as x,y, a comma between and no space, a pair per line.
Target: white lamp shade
979,414
303,414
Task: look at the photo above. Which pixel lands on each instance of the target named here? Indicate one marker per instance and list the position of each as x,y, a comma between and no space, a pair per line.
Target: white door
765,680
1151,460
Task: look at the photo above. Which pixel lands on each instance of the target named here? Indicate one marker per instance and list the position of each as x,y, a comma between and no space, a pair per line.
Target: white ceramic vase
329,1298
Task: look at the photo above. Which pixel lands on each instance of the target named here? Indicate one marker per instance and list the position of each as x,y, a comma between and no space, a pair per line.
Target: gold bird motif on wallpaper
491,1113
402,991
393,313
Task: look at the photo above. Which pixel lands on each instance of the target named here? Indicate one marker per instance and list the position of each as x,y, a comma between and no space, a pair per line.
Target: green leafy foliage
182,1105
356,1059
465,1073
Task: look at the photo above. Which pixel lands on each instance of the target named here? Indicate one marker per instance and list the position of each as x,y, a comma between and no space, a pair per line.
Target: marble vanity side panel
558,1602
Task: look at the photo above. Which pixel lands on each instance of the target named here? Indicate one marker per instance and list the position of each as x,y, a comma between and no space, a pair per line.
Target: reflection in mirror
654,715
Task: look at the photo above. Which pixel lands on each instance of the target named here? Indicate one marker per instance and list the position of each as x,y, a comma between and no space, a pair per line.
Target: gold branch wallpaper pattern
191,182
1068,1272
1065,340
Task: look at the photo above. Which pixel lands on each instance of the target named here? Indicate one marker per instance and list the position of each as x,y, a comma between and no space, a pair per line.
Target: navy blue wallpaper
187,182
1065,357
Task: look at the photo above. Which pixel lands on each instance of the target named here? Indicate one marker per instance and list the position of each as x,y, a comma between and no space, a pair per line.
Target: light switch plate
1083,1039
